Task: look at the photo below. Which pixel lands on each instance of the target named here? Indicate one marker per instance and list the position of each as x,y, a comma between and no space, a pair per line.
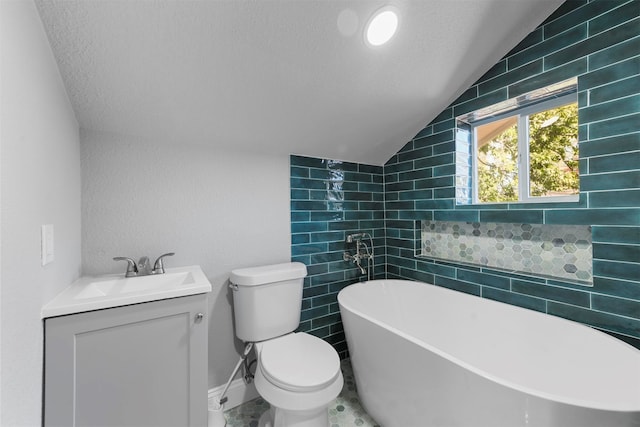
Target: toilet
297,373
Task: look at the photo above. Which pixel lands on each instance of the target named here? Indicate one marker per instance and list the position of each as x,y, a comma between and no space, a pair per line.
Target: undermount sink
95,293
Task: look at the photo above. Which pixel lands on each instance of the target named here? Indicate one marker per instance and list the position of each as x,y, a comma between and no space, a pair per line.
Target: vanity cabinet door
137,365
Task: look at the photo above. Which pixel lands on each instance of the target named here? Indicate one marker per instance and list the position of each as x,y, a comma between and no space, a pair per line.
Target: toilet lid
299,362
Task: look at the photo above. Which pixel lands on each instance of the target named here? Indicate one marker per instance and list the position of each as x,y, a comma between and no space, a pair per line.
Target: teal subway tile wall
596,41
329,200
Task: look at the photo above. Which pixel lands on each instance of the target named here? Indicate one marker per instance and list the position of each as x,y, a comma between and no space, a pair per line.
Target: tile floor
345,411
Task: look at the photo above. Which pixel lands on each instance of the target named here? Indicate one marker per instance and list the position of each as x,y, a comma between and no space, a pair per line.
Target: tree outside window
531,155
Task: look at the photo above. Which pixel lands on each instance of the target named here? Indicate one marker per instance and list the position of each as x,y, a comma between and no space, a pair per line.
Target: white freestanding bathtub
424,356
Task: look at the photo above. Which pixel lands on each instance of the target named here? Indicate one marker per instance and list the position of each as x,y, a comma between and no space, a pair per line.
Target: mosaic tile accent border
558,251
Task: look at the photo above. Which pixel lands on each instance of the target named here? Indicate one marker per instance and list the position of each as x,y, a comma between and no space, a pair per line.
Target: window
528,154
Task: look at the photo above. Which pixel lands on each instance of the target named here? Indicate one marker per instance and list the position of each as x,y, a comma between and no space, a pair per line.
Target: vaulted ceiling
286,76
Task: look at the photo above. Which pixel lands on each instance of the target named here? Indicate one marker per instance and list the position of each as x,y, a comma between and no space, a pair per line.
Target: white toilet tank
267,300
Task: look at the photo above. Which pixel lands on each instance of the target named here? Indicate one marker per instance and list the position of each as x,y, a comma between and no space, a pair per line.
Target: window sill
570,202
540,200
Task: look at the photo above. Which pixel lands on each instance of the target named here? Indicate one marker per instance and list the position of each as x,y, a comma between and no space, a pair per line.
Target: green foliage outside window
553,158
498,168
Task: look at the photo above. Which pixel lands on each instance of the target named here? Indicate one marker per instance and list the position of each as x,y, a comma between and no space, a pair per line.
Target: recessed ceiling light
382,26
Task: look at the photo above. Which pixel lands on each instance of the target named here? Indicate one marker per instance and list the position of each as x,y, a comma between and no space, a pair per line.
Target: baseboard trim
238,393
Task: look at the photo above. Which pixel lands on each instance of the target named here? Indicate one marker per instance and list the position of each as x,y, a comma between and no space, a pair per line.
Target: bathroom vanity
132,364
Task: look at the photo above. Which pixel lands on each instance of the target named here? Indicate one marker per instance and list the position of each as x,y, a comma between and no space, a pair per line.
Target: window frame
523,147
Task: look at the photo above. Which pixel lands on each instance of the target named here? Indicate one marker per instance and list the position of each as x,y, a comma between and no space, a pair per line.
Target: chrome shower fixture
356,236
362,252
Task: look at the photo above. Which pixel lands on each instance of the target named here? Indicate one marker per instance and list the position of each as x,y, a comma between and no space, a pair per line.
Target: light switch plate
47,243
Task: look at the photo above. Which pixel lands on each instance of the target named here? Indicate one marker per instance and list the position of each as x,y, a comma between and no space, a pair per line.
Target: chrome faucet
362,252
142,267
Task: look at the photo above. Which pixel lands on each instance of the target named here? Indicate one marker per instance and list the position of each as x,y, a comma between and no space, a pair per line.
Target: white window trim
523,147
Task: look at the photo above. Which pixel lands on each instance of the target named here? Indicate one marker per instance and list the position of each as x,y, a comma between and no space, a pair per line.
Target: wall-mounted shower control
362,252
355,237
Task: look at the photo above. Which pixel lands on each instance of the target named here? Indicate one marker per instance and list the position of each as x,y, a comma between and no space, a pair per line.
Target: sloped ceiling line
280,76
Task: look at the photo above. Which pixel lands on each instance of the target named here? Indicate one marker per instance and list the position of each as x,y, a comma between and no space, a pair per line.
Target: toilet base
276,417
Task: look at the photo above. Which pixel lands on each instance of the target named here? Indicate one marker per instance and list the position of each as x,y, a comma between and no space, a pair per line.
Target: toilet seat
299,362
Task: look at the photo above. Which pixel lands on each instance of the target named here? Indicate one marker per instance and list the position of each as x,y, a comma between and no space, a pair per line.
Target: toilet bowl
298,374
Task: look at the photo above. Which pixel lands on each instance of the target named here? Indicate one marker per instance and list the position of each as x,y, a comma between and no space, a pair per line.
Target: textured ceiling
289,76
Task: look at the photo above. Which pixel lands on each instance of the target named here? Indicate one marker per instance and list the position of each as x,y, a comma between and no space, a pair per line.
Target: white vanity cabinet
136,365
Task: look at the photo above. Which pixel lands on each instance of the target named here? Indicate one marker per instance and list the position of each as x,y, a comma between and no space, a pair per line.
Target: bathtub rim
632,407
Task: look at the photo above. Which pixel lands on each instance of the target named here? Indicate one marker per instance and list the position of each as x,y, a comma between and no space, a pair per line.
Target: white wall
219,209
40,184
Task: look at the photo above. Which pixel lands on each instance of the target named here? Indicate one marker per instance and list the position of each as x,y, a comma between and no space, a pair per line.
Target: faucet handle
158,266
132,267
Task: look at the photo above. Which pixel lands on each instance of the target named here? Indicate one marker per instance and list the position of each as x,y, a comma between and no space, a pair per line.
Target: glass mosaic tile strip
557,251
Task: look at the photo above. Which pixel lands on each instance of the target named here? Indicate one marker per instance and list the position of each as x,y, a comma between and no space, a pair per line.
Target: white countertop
114,290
